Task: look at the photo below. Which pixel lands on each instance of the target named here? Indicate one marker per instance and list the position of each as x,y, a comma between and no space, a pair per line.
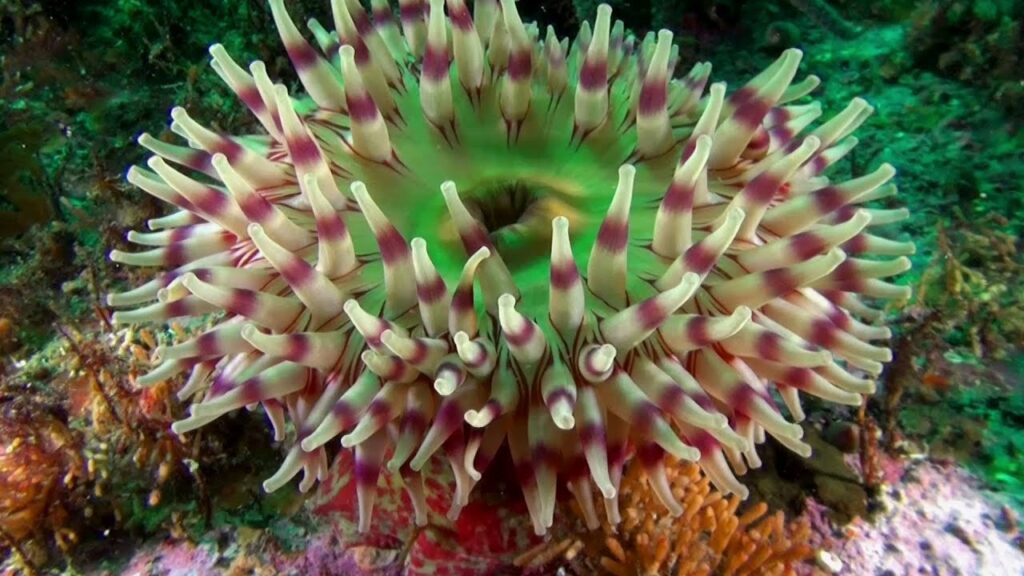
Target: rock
843,435
845,499
1008,520
962,534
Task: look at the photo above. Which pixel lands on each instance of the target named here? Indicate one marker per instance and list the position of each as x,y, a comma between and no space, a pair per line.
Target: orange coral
38,466
710,537
28,472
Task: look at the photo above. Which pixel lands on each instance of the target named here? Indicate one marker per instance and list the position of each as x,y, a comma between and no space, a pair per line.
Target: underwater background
926,477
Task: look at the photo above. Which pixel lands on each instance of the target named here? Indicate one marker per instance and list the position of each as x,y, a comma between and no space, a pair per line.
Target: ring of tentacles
466,237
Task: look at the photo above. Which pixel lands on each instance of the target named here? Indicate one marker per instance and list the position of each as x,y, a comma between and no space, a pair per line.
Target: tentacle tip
506,301
255,230
416,464
482,254
861,217
689,453
190,281
478,419
249,331
449,190
156,163
689,280
358,189
444,387
607,491
835,256
164,295
281,92
860,102
564,421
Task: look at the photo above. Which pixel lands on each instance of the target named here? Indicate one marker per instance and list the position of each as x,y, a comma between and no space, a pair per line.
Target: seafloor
927,479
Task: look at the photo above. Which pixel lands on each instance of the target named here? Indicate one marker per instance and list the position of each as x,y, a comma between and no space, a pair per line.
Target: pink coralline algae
934,519
465,237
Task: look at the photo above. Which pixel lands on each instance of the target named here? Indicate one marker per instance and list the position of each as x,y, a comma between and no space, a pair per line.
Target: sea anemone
466,238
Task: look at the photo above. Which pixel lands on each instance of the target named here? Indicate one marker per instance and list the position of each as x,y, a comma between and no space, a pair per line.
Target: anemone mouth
618,262
516,214
502,203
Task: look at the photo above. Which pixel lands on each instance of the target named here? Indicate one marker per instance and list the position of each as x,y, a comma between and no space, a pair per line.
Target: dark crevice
500,205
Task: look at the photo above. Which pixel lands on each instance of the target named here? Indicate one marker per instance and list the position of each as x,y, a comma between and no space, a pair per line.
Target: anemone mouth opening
517,213
501,204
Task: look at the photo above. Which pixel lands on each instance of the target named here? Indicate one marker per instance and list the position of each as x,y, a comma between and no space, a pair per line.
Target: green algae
977,423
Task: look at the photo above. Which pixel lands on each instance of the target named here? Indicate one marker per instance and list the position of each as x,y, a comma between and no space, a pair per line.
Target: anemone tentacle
468,236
